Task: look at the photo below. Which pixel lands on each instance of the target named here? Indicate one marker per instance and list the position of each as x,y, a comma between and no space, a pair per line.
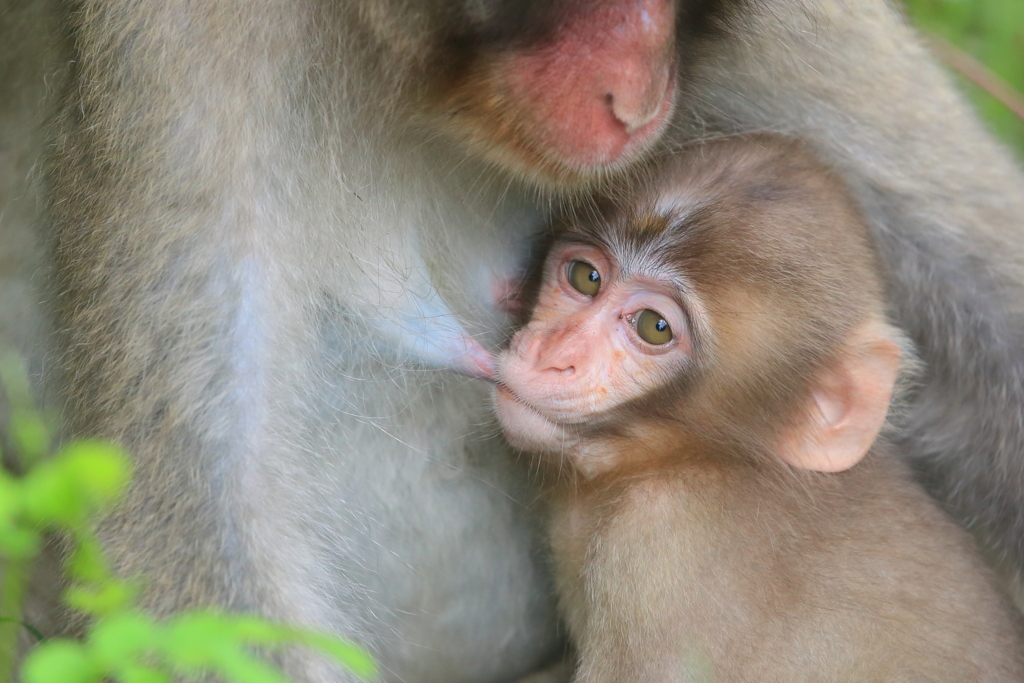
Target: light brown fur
686,549
711,574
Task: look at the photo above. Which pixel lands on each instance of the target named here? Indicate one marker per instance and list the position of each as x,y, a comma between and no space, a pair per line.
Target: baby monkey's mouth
509,393
525,426
504,389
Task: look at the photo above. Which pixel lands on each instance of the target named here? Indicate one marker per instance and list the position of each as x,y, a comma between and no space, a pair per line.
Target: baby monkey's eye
652,328
584,278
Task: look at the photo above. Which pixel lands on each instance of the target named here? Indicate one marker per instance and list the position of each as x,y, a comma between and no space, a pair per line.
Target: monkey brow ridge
651,223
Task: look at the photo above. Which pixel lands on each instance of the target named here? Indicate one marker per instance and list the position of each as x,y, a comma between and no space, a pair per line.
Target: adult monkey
269,218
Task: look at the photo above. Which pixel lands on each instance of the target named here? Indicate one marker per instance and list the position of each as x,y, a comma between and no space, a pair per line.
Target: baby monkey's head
726,306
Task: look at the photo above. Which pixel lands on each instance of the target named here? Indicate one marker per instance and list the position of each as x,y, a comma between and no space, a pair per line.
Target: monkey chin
554,161
525,427
579,165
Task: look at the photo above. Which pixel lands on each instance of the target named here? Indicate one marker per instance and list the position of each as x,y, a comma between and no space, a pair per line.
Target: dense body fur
245,216
743,575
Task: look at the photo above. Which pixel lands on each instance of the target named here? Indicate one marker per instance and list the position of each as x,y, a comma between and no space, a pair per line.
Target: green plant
991,31
64,493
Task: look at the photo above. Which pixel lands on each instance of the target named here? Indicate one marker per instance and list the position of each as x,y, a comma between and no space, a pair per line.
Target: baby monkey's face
597,339
729,309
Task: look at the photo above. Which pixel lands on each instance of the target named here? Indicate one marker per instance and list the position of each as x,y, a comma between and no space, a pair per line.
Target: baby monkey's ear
848,404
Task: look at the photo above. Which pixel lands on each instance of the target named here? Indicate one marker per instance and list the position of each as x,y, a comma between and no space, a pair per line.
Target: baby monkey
705,374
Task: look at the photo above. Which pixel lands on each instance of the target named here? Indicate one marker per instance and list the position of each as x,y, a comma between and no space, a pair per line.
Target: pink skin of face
612,65
581,355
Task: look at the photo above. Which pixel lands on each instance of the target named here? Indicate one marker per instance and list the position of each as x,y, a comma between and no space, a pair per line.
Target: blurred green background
992,32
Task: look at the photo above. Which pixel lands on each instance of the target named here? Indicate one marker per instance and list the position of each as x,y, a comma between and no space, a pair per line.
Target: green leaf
137,673
17,543
30,435
100,469
83,477
88,563
100,599
122,638
59,661
10,495
51,497
25,625
194,640
258,631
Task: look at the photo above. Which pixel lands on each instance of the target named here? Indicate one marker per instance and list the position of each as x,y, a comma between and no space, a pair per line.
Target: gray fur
250,219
